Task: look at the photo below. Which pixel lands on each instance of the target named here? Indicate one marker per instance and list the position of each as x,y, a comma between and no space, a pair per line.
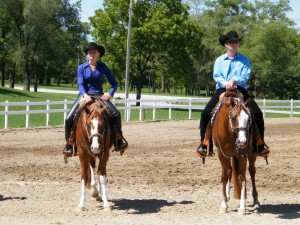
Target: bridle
101,136
235,130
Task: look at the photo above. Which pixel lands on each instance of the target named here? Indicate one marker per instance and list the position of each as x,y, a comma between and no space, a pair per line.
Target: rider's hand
105,96
87,98
230,85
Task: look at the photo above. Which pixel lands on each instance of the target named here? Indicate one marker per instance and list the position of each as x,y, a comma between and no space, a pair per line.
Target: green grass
56,119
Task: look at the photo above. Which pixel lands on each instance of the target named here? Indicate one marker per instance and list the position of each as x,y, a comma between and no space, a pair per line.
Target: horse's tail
237,179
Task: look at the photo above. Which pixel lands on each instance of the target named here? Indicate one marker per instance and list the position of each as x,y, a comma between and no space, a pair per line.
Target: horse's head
240,121
95,127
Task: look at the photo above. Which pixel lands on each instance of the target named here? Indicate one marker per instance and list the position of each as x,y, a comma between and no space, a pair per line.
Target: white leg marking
224,204
223,207
242,209
95,192
103,183
83,196
228,190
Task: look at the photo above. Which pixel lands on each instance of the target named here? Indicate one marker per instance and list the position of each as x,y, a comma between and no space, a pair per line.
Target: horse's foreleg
226,182
252,171
95,192
226,196
83,196
103,184
242,209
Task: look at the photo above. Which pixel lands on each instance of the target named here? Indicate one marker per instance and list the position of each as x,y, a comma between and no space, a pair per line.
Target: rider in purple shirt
231,73
90,78
93,82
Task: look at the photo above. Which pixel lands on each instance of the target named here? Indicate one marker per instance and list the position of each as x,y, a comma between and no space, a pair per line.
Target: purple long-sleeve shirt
93,82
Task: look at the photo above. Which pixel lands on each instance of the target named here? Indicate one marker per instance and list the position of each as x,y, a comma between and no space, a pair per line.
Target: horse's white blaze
83,194
243,118
94,130
103,184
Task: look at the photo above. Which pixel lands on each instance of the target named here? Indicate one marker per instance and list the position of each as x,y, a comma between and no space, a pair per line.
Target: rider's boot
201,149
205,140
68,150
260,148
120,143
263,150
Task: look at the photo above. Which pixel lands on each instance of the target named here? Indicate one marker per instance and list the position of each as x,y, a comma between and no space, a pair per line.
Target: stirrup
68,150
264,152
120,148
201,150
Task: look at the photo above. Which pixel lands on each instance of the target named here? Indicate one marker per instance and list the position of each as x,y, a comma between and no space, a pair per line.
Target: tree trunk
2,72
12,76
26,77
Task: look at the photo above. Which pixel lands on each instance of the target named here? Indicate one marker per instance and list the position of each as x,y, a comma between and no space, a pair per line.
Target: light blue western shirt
226,69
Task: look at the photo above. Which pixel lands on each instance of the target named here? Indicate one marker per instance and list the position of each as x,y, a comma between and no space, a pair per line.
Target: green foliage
41,40
164,43
173,43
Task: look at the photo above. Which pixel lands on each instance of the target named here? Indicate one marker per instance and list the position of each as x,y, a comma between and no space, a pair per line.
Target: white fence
291,107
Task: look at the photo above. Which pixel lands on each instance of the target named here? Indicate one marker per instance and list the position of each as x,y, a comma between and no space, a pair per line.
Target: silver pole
128,58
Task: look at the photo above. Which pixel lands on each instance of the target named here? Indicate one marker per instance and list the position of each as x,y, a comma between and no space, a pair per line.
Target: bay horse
93,140
232,134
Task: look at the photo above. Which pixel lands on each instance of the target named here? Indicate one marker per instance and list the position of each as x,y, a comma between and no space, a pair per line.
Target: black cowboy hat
230,35
94,46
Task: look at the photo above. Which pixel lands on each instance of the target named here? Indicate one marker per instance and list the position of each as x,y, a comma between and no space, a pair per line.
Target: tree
165,43
274,51
274,56
34,26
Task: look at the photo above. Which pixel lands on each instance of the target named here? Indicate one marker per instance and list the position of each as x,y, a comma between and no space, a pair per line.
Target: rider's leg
121,144
259,120
69,132
205,117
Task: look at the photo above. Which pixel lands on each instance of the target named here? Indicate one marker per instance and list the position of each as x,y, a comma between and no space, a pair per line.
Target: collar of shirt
226,57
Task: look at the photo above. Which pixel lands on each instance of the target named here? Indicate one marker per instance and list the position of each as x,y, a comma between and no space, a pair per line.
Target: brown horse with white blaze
93,138
232,134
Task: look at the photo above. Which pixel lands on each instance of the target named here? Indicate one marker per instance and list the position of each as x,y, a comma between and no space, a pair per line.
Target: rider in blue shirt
231,72
90,77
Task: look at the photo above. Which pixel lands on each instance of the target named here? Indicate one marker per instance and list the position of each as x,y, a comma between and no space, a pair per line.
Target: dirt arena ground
159,179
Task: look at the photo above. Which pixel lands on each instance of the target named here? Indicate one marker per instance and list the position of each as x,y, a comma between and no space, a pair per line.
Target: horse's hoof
255,204
80,209
223,210
107,207
99,199
95,194
242,211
